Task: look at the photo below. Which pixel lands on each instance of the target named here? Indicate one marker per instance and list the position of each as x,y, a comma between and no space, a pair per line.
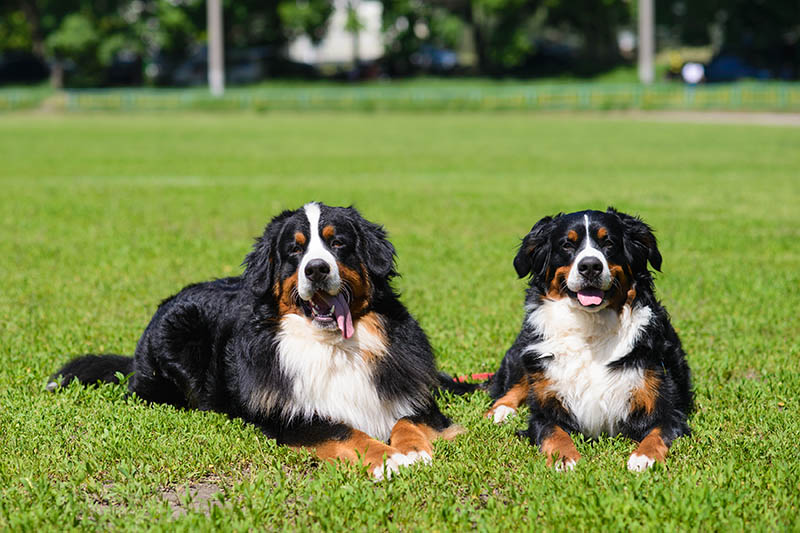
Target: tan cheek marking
572,235
602,233
559,444
299,238
556,290
361,287
283,293
624,291
653,446
328,232
644,398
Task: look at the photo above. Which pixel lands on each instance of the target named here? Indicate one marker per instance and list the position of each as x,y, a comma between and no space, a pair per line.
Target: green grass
103,216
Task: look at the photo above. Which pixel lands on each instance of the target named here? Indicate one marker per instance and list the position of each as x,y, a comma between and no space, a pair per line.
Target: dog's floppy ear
373,246
640,242
263,262
535,249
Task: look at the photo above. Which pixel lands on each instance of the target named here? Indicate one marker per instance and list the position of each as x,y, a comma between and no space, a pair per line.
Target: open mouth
330,312
589,296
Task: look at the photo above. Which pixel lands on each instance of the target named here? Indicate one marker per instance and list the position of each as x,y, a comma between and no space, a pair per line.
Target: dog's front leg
331,441
552,439
380,459
413,436
413,440
507,405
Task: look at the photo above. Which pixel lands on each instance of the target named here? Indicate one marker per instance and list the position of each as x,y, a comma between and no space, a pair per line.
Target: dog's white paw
388,467
565,465
501,413
396,461
417,457
639,463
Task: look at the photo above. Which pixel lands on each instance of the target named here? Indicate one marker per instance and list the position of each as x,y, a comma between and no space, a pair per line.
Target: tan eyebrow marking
572,235
299,238
602,233
328,232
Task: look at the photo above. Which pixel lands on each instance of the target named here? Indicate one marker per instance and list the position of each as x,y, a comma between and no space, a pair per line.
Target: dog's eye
296,250
567,245
337,243
608,243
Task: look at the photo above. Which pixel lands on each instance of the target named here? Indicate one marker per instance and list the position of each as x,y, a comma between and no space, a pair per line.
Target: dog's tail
460,385
90,369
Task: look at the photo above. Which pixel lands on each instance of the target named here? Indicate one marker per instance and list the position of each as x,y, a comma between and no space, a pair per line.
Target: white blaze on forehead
316,250
574,280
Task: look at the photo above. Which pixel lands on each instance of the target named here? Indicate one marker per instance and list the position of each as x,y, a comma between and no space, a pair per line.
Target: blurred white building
337,47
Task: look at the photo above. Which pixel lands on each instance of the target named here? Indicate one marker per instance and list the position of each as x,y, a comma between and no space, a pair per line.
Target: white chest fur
331,378
582,345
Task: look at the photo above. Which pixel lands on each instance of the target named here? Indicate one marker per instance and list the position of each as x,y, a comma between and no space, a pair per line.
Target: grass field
102,216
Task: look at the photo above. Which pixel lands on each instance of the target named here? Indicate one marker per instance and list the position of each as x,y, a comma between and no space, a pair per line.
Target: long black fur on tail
90,369
446,382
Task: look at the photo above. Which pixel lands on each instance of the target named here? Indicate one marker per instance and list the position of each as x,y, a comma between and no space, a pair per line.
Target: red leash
483,376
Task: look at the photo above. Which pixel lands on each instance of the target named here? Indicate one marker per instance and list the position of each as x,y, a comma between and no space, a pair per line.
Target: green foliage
15,32
410,24
309,17
105,215
75,38
353,24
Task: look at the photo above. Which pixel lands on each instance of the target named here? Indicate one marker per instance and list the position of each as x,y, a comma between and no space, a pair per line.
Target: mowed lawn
103,216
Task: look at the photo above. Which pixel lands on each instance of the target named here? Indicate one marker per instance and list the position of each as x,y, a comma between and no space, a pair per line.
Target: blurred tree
15,33
79,35
82,39
597,22
354,25
506,34
410,26
306,17
764,33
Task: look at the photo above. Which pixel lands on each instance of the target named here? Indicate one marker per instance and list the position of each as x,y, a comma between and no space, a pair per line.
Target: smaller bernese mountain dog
597,353
310,344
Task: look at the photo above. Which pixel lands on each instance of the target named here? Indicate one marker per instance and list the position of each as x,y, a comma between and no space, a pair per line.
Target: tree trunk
56,74
31,11
478,38
34,18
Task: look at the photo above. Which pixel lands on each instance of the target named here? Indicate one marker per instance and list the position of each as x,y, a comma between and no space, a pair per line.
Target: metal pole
216,52
646,41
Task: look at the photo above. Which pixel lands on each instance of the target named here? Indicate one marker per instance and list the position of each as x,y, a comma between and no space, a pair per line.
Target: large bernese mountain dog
310,344
597,353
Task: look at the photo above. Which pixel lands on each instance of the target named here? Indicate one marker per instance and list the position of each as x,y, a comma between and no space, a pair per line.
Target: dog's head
324,263
596,259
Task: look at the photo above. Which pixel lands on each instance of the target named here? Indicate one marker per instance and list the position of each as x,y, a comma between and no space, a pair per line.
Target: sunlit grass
103,216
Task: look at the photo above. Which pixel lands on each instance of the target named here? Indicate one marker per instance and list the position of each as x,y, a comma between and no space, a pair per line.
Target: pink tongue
590,297
342,313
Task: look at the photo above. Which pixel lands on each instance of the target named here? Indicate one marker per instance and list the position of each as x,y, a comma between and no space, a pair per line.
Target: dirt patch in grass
199,496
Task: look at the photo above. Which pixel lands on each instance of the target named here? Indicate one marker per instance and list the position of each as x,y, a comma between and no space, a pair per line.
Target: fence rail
739,96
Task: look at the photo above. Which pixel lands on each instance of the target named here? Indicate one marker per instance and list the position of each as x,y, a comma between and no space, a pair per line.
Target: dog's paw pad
639,463
501,413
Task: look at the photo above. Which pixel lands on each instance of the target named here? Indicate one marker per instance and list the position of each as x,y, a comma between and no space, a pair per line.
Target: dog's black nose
317,269
590,267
